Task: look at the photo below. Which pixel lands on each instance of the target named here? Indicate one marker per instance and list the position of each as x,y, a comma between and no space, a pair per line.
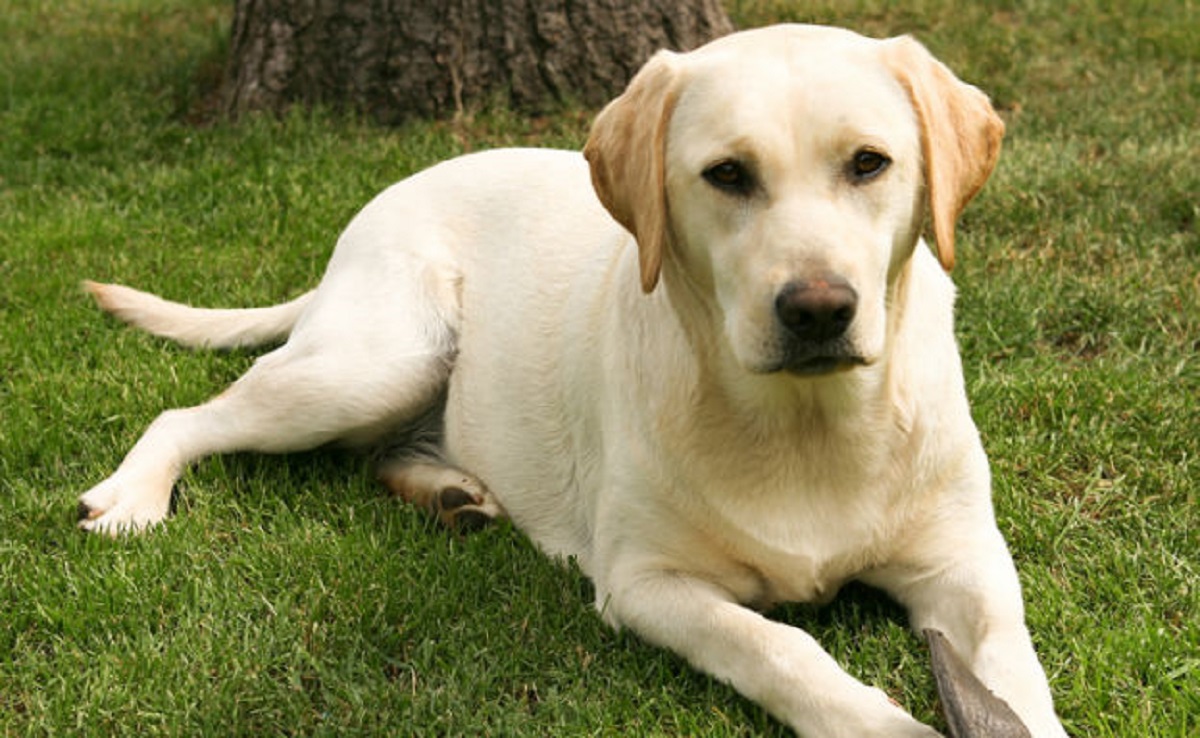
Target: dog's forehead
783,79
817,39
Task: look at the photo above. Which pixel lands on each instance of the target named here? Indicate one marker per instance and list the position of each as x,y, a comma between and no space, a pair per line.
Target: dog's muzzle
814,316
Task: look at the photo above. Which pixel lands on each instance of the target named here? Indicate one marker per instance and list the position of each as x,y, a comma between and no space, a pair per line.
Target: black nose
817,309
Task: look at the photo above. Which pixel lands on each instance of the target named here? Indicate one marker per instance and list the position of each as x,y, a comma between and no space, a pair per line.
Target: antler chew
970,708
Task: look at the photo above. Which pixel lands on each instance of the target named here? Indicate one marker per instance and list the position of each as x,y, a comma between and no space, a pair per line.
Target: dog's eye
730,176
868,164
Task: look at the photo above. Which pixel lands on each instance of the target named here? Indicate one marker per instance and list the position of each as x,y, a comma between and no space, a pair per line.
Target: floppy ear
960,135
626,151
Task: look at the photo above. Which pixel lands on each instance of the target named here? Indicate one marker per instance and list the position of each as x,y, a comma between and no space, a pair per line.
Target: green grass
289,596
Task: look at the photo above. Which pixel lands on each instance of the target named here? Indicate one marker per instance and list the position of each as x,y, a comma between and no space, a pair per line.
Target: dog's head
787,173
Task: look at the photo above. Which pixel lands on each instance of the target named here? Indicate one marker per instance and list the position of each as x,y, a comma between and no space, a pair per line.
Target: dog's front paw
119,505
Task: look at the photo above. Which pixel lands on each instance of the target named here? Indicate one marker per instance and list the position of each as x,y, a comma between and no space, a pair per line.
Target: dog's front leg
780,667
968,589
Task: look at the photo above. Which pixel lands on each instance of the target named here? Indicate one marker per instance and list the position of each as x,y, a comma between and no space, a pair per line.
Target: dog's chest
804,551
797,521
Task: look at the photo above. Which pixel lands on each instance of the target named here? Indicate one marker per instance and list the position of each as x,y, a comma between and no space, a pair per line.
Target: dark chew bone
971,710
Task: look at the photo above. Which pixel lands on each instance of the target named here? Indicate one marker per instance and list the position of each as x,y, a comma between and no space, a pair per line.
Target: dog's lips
787,355
815,366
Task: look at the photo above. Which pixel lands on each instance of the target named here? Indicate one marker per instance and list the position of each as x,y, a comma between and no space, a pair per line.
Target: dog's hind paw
462,510
459,500
117,506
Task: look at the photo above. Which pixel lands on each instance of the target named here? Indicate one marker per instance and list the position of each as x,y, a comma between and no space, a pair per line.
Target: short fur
628,369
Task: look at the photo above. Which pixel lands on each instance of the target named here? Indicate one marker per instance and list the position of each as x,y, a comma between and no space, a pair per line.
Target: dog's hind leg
362,365
284,403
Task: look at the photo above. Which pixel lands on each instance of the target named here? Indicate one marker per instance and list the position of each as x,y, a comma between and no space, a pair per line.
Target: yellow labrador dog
710,359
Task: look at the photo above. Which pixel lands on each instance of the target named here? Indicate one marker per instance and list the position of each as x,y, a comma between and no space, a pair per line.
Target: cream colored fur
638,405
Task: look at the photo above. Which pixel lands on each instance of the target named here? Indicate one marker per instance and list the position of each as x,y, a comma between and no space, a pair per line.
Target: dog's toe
463,511
84,511
452,498
469,520
120,504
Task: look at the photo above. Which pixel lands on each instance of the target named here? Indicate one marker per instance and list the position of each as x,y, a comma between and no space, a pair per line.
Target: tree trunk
395,59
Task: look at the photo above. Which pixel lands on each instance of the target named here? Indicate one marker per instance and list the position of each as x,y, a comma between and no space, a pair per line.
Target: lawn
290,596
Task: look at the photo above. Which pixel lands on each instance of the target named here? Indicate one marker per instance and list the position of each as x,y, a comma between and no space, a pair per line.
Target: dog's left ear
627,150
960,135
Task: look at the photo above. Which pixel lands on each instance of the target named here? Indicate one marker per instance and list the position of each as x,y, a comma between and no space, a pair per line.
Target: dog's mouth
783,354
819,358
813,364
816,366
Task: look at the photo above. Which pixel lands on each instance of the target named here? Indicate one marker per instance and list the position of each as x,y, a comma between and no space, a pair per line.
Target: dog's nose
818,309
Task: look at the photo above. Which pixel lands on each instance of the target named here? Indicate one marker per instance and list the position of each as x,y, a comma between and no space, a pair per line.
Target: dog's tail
199,327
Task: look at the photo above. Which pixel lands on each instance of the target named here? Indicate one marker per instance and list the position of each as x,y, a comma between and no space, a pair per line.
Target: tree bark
396,59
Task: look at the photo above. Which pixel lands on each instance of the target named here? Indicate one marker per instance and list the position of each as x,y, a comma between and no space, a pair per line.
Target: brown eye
730,176
868,164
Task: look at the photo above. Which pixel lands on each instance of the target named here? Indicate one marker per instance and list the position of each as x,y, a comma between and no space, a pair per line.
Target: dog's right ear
627,153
